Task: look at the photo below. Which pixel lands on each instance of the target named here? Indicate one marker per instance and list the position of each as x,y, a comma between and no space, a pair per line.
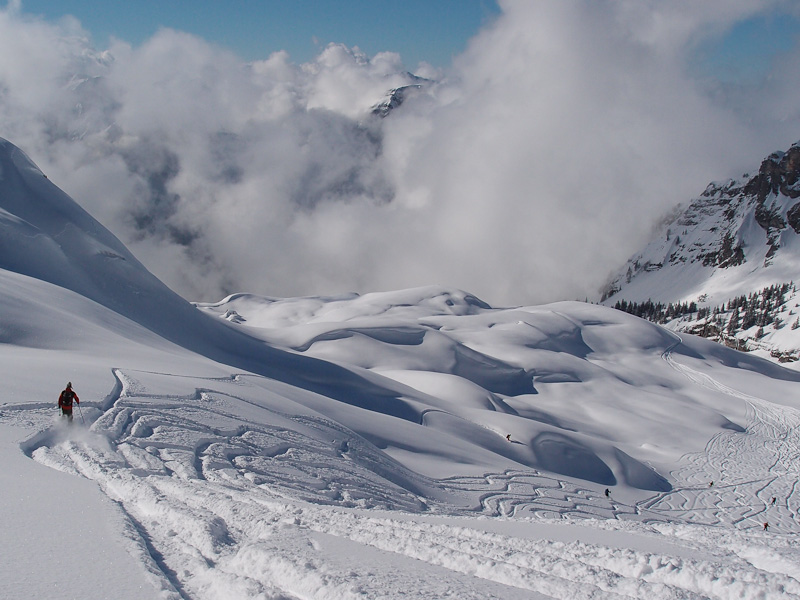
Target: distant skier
711,484
766,526
774,499
508,437
65,401
608,493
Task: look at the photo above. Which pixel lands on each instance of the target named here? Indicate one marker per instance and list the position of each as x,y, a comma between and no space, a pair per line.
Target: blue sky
420,30
743,53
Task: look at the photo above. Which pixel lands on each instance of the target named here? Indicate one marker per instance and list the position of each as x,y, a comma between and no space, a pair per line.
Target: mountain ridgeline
724,266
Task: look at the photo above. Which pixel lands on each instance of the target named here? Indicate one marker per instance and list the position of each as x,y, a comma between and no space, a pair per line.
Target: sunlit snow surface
409,444
237,486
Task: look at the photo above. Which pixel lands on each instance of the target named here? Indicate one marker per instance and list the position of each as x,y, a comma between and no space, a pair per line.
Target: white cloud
534,167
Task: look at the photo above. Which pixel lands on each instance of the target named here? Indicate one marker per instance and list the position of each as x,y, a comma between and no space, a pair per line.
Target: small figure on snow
774,499
608,493
766,526
65,401
711,484
508,437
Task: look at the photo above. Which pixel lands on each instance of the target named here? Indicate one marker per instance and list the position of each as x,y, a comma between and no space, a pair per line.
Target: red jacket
66,398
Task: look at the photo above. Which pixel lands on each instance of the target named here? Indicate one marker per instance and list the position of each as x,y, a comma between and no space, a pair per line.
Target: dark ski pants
67,413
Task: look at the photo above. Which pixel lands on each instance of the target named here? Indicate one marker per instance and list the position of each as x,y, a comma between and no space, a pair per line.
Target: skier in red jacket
65,401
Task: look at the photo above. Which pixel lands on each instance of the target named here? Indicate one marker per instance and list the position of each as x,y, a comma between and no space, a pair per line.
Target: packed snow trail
230,498
736,478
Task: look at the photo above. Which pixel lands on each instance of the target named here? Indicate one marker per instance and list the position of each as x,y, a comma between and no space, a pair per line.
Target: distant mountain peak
397,96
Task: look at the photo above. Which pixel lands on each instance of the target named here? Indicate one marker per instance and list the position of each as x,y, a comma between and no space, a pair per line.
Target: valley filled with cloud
526,172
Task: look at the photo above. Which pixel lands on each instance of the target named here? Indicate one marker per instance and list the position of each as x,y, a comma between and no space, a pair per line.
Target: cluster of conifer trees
657,312
759,309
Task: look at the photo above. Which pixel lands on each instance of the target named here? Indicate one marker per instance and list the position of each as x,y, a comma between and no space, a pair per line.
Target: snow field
736,478
408,444
229,503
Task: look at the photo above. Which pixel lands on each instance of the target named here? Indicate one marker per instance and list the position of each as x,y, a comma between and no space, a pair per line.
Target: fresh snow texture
409,444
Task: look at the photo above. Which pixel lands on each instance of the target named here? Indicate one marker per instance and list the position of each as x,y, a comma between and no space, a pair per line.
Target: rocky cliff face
772,190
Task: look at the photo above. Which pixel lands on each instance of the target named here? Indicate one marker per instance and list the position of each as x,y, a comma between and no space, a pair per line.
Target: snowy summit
416,443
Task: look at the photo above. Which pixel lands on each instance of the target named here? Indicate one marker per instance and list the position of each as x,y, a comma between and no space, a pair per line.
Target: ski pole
80,412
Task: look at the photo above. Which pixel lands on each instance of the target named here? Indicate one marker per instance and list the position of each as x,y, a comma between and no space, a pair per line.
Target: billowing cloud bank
524,174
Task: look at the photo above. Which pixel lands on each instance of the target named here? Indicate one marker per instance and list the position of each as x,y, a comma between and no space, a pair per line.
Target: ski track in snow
222,507
747,469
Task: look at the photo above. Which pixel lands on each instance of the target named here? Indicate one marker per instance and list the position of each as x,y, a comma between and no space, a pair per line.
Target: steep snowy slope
342,447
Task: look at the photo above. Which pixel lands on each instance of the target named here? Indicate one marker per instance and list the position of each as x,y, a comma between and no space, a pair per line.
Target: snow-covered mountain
397,96
740,238
416,443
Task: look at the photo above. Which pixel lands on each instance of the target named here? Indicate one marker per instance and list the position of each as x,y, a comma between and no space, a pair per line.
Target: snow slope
356,446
